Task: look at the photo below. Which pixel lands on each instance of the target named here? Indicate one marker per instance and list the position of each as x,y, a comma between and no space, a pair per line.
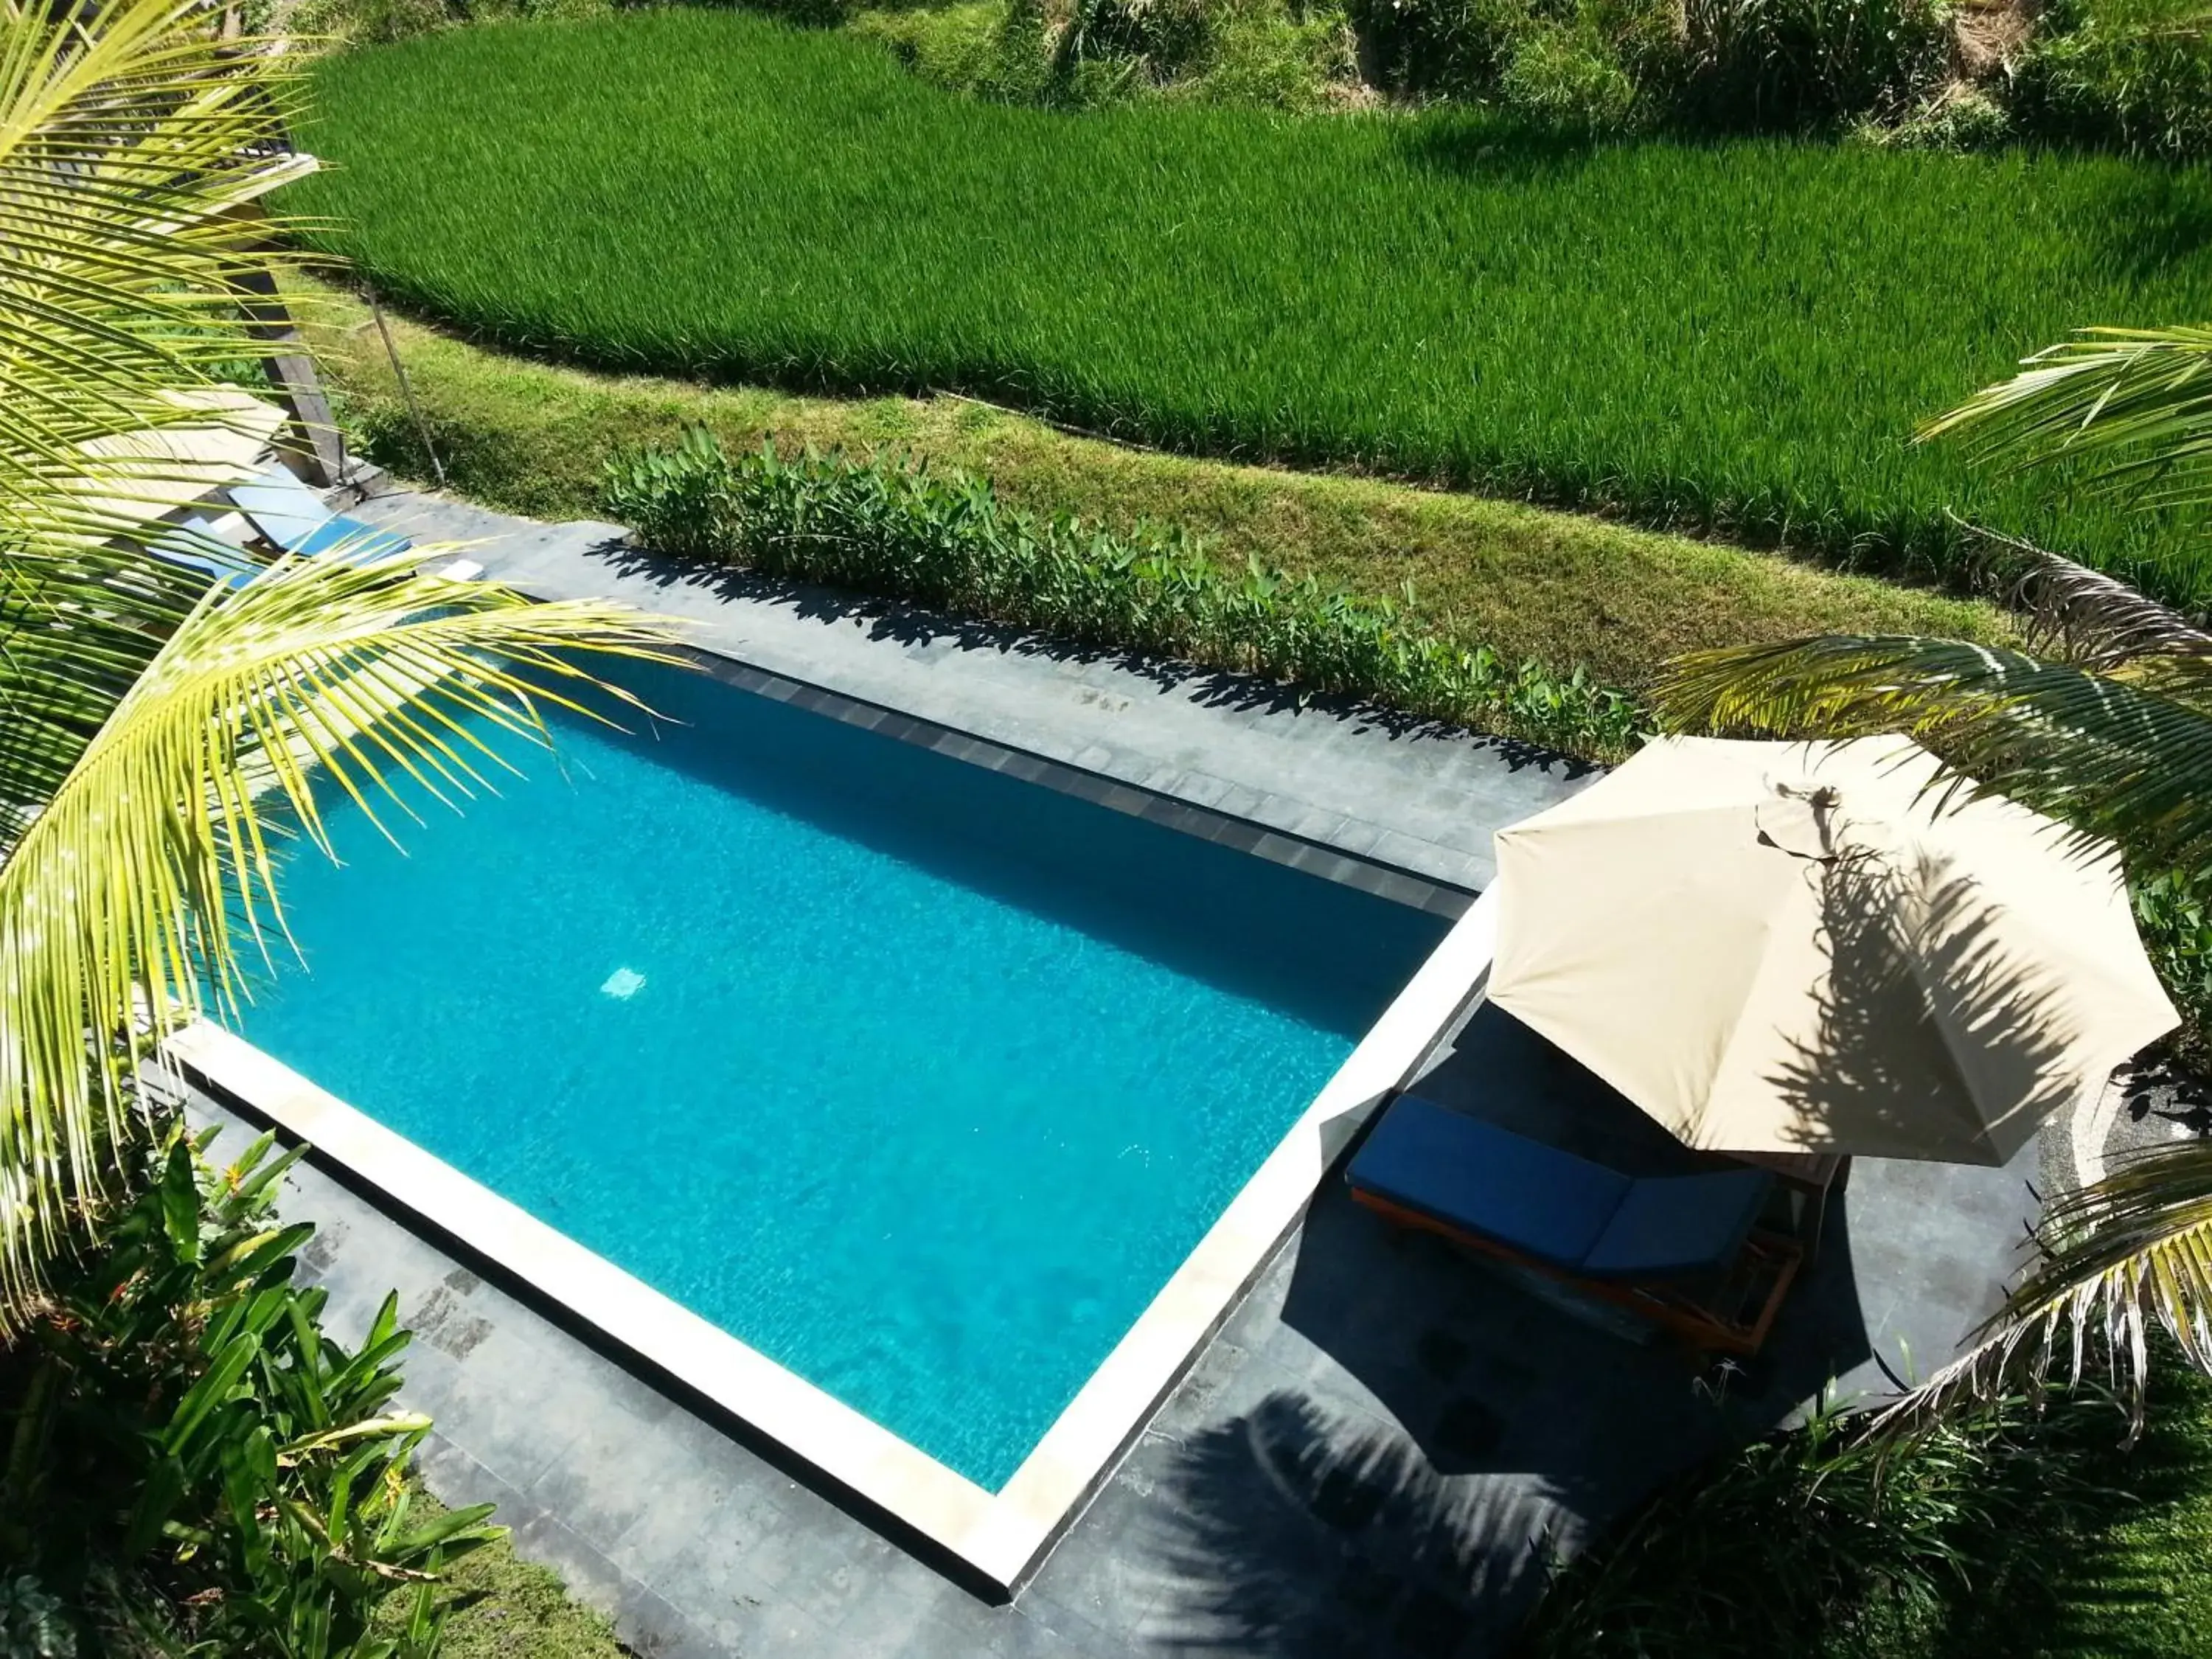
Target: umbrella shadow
1926,1010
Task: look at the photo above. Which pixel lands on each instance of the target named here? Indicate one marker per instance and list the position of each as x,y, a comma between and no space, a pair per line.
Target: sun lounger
293,517
1680,1249
197,544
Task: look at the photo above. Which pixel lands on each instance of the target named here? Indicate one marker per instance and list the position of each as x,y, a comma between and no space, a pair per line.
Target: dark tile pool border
1314,858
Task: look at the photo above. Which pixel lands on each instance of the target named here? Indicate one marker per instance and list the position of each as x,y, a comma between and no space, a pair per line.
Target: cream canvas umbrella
1792,947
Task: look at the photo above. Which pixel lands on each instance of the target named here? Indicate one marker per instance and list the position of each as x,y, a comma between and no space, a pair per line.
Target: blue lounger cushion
195,544
282,508
300,522
1670,1226
352,540
1465,1173
1550,1206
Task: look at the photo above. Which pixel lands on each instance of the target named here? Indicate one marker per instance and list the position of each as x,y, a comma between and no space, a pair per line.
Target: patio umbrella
1809,948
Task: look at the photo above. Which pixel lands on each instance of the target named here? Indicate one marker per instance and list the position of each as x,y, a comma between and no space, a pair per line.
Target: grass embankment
1554,586
503,1607
1736,336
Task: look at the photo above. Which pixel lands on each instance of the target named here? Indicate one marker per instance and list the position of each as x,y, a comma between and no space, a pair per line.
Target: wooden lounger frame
1730,1315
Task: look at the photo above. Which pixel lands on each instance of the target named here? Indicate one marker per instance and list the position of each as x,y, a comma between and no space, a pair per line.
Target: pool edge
991,1542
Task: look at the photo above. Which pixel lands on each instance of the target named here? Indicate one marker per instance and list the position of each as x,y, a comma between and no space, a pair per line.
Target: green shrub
1270,60
1957,119
1164,36
1761,64
2175,919
941,539
191,1461
1819,1540
957,47
1568,77
1454,48
2134,82
1021,63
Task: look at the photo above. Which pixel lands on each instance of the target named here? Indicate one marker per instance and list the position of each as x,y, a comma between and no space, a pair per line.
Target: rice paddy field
1737,337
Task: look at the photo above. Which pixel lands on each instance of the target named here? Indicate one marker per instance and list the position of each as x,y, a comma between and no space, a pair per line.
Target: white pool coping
996,1538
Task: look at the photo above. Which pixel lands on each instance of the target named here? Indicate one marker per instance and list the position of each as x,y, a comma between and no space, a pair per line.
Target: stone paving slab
1423,798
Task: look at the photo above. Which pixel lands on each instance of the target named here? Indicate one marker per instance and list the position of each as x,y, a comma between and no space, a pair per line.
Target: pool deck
1369,1456
1409,794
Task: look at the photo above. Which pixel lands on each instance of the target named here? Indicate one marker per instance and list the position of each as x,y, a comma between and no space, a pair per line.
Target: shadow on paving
905,624
1444,1424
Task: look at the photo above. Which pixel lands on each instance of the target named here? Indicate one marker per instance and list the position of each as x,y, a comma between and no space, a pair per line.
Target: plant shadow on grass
2149,223
1482,149
2063,1575
905,624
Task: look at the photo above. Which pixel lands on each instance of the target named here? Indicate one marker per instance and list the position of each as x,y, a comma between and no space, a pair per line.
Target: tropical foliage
2108,723
192,1466
2001,1528
163,737
941,539
1725,337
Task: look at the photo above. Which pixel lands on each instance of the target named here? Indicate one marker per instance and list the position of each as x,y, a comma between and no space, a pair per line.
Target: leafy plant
1824,1539
33,1624
2139,81
191,1454
941,539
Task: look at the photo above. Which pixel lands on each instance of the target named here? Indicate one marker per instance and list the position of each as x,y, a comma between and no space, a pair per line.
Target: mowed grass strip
1729,337
1558,587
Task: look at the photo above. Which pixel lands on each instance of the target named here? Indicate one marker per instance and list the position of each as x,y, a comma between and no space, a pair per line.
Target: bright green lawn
503,1607
1737,335
1556,587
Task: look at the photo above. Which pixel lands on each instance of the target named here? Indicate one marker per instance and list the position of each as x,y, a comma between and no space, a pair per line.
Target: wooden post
310,441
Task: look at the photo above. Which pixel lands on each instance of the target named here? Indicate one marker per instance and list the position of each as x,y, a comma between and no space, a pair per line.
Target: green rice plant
940,538
1735,337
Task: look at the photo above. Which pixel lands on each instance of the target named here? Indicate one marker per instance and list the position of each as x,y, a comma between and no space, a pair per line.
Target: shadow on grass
2109,1555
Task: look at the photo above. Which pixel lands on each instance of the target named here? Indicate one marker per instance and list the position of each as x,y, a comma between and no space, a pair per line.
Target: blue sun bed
1626,1239
197,544
295,519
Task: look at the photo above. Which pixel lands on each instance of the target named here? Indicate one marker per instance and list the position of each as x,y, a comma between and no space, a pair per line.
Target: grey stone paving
1370,1456
1365,1461
1422,799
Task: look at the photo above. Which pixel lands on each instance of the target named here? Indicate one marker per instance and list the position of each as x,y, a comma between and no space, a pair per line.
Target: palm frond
2127,757
2084,617
147,884
2126,1252
133,142
2134,404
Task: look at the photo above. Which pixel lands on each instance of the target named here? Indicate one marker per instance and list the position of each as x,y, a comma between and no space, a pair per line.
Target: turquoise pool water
919,1078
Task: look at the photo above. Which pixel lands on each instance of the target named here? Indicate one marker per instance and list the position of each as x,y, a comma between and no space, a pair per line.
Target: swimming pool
916,1078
